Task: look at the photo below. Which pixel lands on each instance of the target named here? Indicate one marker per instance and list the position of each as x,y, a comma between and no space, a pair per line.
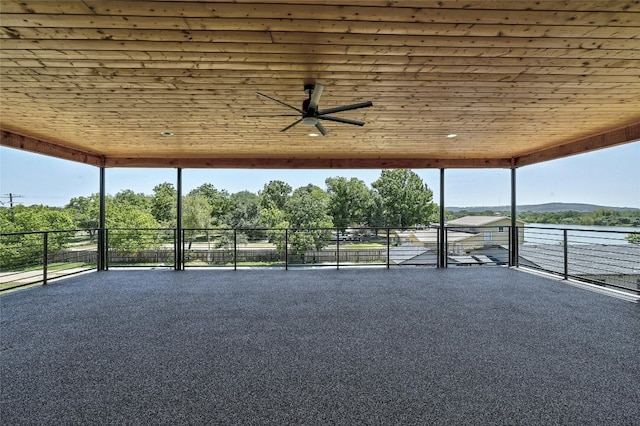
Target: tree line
398,198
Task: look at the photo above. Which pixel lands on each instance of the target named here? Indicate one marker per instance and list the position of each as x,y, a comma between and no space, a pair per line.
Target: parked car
344,237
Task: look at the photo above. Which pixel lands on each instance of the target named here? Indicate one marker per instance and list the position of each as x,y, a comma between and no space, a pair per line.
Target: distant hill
542,208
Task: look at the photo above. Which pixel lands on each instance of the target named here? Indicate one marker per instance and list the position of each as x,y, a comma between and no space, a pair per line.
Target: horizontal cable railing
36,257
286,247
230,247
127,247
478,245
607,258
603,257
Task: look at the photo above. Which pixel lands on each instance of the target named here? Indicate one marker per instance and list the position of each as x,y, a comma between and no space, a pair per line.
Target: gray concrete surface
463,346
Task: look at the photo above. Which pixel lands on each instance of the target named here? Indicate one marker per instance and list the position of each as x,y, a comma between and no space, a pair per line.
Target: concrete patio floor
463,346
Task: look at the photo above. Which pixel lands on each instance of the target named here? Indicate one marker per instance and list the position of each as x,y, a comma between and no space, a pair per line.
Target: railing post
183,251
438,249
566,254
175,247
235,249
100,250
513,245
445,247
337,248
45,257
516,247
510,245
106,249
286,249
388,248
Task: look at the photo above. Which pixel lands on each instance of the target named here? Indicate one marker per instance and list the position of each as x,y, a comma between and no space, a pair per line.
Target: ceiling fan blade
279,102
321,128
345,108
315,96
272,115
291,125
341,120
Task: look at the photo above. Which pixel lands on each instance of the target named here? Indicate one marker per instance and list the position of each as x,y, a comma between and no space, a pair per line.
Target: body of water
545,233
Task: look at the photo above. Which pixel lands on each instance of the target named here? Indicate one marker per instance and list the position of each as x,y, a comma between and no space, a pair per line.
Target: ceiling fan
310,114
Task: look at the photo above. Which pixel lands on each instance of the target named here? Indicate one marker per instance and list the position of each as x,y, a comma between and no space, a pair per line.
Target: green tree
130,229
274,194
276,223
306,211
11,252
6,221
41,218
245,210
218,201
633,238
139,200
600,217
196,215
26,249
374,216
163,204
245,215
605,217
85,211
272,201
406,200
349,201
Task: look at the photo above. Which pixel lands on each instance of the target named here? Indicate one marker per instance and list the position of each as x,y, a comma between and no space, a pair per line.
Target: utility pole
11,196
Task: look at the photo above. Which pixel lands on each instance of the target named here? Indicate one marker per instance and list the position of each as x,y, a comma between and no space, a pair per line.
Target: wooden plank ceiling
518,81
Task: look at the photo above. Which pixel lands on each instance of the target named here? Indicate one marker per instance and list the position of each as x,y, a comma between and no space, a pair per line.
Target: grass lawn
21,276
197,263
53,267
141,264
358,246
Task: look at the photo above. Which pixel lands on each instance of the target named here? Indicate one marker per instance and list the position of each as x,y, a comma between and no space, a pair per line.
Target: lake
546,233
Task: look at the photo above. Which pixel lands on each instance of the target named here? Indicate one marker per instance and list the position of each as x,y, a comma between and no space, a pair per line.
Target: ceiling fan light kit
310,114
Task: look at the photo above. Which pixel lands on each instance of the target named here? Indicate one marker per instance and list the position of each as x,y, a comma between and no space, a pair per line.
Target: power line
10,196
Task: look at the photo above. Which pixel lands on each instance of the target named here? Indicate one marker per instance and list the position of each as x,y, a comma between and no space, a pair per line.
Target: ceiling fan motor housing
309,115
307,111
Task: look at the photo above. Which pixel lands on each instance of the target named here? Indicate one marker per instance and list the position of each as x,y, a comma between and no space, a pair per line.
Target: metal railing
479,245
136,247
597,256
285,247
36,257
603,257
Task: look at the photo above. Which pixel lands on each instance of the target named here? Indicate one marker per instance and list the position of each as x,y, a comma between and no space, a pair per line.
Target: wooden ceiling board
518,82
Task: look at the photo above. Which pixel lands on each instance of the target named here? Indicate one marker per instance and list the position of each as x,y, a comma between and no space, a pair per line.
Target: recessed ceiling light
166,133
313,135
452,135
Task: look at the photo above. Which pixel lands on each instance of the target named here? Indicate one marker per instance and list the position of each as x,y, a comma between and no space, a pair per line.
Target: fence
602,257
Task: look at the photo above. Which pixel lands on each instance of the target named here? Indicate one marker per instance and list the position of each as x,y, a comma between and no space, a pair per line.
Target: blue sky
608,177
